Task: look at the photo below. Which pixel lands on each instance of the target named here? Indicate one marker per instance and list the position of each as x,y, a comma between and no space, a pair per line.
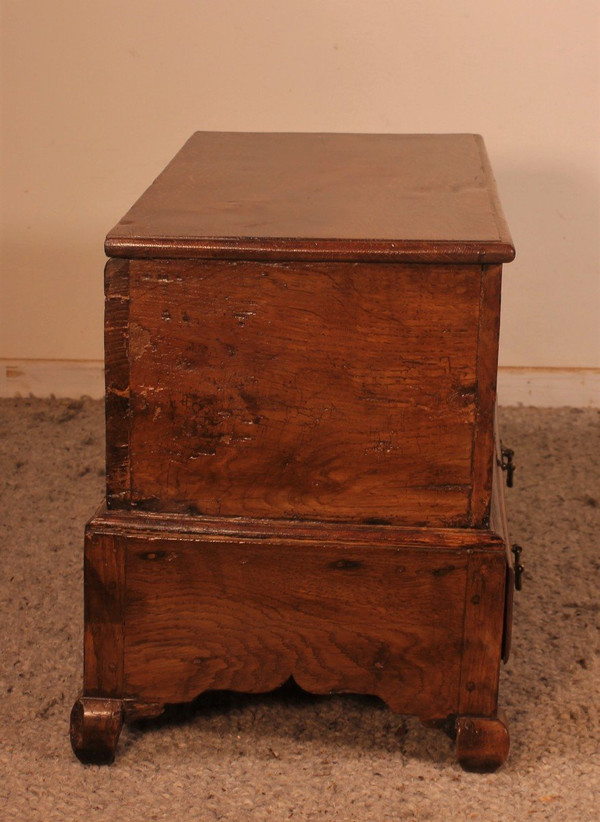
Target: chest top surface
409,197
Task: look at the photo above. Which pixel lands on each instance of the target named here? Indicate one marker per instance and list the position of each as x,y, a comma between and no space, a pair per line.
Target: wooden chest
301,354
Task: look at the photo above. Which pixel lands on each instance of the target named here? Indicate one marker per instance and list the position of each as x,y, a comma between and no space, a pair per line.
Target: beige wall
97,96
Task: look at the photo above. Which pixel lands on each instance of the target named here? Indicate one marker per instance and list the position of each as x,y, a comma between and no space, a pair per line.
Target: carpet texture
288,755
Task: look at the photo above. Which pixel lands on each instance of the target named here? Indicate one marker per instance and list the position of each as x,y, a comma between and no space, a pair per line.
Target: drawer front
325,391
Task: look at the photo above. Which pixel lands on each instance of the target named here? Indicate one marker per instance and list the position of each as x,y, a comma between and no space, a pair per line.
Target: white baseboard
549,387
43,378
545,387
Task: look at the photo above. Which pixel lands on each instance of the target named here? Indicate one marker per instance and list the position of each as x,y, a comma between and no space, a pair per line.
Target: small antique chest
301,354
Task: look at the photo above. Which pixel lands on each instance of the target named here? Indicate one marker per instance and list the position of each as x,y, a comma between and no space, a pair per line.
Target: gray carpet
289,756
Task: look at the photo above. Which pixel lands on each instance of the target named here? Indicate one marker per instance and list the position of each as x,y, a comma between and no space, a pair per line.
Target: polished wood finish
104,600
355,197
301,351
488,323
482,742
250,389
95,727
294,530
483,627
412,615
116,368
267,602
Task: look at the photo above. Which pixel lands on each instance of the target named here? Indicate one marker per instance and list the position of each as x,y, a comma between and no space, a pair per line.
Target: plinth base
176,606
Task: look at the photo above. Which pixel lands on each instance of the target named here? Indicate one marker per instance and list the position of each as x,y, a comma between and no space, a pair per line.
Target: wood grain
95,726
321,392
247,615
359,197
301,351
482,743
367,609
104,598
141,523
117,377
483,630
487,370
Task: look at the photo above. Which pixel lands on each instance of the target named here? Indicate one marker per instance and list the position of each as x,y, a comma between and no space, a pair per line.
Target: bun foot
482,743
95,727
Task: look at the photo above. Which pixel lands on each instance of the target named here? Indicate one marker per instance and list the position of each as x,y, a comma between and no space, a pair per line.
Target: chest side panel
318,391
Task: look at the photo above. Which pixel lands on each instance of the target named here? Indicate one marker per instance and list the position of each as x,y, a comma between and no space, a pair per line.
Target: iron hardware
506,464
516,549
